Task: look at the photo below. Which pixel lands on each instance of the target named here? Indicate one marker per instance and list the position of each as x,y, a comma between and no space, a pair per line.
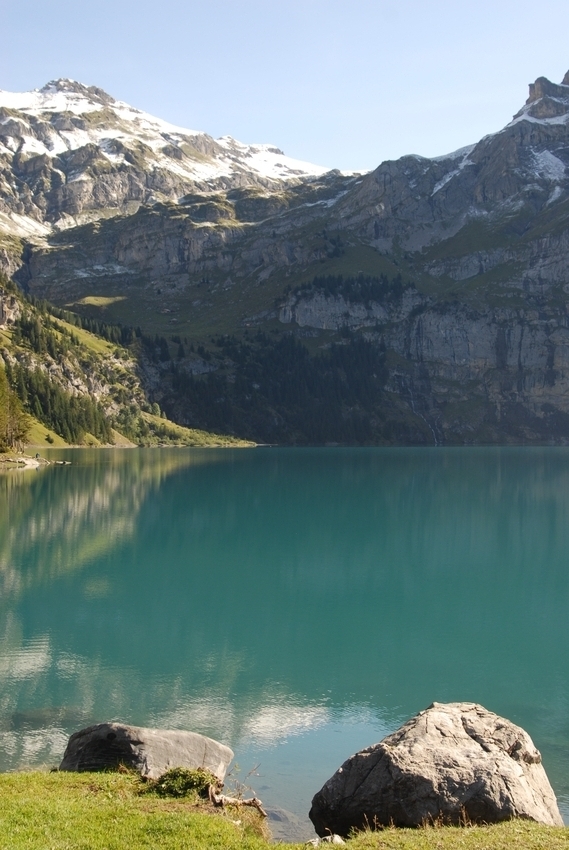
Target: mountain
70,153
64,380
424,302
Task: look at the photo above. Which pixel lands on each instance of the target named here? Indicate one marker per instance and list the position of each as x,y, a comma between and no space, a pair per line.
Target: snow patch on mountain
555,119
106,119
103,270
53,97
269,161
557,192
457,154
444,180
549,166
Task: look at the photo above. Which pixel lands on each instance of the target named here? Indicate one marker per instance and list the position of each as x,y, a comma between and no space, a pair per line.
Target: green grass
40,436
97,300
13,245
89,340
5,337
106,811
520,834
66,811
192,436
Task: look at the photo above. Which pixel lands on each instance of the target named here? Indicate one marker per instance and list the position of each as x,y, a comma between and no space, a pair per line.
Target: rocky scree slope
474,347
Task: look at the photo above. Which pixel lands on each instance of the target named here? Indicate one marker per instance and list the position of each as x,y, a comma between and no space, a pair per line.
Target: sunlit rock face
71,154
524,166
10,309
151,752
452,762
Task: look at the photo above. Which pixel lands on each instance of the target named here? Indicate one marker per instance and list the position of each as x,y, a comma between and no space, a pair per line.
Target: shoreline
14,461
23,461
98,804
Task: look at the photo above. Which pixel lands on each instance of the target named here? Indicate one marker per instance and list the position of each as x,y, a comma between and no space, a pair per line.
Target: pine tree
14,424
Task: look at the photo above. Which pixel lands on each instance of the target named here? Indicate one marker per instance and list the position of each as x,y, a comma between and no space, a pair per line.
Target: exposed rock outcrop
444,355
451,762
10,309
150,751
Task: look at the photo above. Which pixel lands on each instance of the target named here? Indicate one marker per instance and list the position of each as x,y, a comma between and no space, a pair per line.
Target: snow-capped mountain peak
57,96
81,153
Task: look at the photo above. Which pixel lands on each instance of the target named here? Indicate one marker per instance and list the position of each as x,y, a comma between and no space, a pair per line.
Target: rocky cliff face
458,216
10,309
497,374
214,238
522,168
484,355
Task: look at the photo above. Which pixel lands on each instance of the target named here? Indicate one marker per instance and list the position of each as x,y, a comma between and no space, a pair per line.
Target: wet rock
452,762
150,751
287,827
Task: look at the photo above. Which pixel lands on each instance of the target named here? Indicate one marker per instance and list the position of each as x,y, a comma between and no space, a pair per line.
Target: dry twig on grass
224,800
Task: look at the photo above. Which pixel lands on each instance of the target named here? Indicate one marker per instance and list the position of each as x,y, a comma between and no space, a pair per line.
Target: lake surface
296,604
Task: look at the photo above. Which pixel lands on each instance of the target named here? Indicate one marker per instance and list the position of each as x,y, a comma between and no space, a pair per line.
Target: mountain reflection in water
295,604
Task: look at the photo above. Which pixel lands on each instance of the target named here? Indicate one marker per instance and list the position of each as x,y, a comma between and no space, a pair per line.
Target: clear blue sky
342,83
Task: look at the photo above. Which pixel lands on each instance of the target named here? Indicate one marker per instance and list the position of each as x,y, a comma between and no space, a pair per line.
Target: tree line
41,336
282,393
117,334
14,424
361,289
25,390
37,334
70,416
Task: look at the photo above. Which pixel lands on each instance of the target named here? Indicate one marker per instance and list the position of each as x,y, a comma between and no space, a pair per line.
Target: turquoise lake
295,604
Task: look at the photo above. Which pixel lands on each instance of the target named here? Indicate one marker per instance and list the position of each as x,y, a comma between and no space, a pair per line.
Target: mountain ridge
70,153
455,270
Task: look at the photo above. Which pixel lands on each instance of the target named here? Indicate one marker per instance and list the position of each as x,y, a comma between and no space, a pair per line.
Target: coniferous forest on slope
282,394
275,389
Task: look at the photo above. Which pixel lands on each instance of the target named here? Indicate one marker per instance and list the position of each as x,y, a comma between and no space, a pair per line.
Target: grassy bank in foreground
69,811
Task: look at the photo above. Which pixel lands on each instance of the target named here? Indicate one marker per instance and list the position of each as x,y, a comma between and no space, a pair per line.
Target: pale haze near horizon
341,84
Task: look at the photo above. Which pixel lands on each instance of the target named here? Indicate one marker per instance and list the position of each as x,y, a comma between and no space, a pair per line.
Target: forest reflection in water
295,604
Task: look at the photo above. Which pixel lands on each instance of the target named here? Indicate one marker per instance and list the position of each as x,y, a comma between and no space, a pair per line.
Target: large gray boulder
450,762
150,751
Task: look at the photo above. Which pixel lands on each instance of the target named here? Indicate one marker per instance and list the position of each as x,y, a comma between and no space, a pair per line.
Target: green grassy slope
51,362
